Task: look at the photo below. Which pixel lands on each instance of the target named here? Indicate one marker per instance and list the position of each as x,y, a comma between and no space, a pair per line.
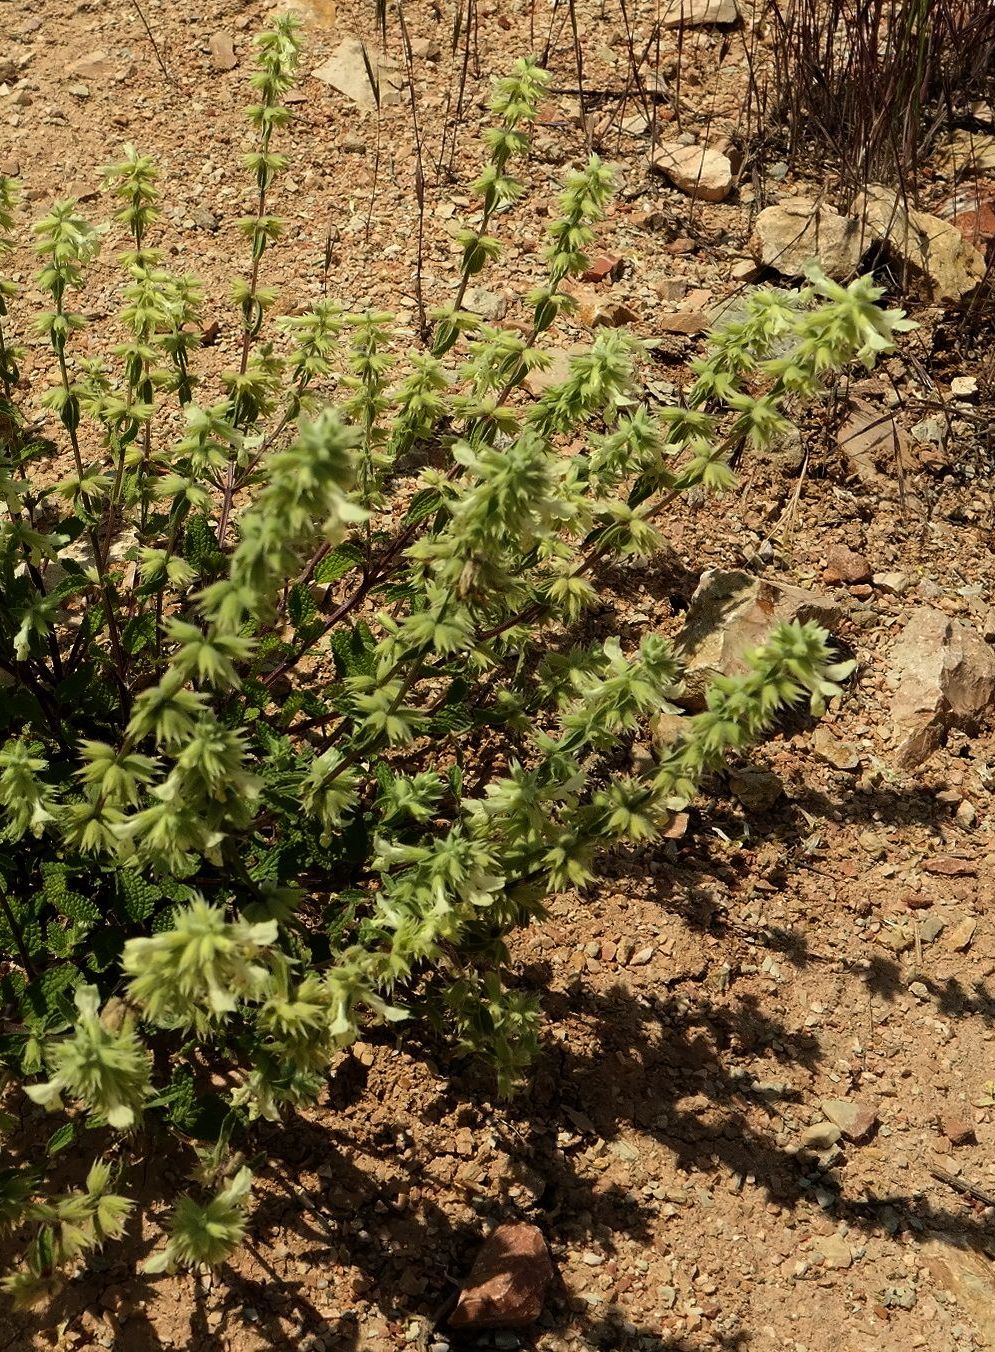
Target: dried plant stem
155,46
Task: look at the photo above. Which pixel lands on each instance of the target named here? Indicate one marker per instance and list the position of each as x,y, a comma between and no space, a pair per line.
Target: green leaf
338,562
137,896
300,606
139,634
61,1138
423,504
68,903
47,997
353,650
200,545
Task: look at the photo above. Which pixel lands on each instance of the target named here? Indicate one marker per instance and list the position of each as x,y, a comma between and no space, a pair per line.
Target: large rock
730,615
931,255
873,444
508,1282
699,13
348,70
701,173
968,1275
943,675
797,231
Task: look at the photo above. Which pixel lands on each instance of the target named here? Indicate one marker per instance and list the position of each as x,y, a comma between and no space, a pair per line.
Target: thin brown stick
962,1186
155,46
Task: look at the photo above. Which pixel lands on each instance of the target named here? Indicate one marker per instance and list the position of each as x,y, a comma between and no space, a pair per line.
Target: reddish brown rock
943,676
950,866
846,565
978,224
958,1130
685,322
607,266
855,1120
508,1282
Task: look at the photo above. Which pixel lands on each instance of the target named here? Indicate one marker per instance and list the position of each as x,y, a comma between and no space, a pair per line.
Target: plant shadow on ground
674,1078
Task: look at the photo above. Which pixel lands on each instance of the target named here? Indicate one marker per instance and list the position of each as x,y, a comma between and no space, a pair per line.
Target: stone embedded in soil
426,49
846,565
930,254
729,616
701,173
949,866
829,748
872,443
95,65
488,304
943,675
836,1252
508,1282
699,13
855,1120
787,237
967,1274
977,224
346,71
757,790
607,266
962,935
957,1129
666,730
931,928
819,1136
539,380
223,51
685,322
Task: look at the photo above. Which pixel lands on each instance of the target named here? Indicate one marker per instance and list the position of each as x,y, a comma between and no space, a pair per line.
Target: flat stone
685,322
701,173
95,65
757,790
931,929
606,266
964,387
855,1120
872,442
967,1274
957,1129
508,1282
891,583
949,866
829,748
538,381
730,615
962,935
222,51
700,13
488,304
836,1252
346,71
425,49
